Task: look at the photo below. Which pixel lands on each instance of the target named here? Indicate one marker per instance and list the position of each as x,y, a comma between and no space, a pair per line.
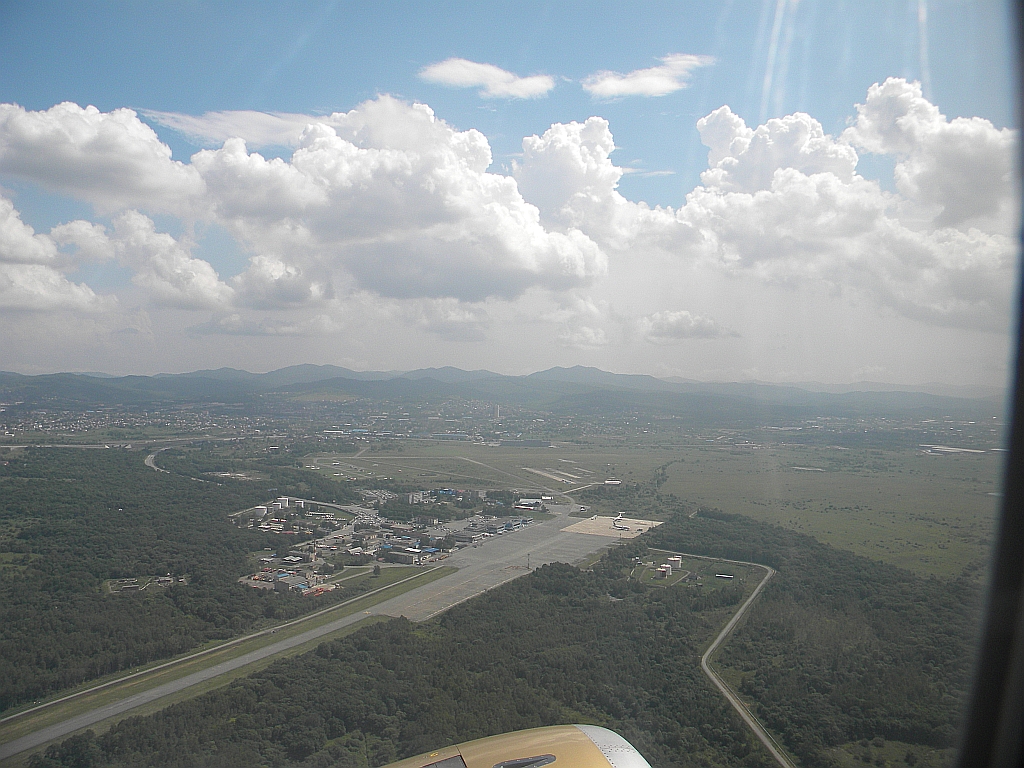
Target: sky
772,190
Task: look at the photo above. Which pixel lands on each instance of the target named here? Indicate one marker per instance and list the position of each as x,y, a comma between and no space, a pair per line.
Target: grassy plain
930,513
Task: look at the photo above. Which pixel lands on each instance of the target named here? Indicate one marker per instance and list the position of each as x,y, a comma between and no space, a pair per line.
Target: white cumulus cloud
670,326
390,199
385,198
673,75
237,324
386,219
568,174
272,283
162,266
782,204
493,82
958,172
583,337
450,319
745,160
32,270
165,268
36,287
110,159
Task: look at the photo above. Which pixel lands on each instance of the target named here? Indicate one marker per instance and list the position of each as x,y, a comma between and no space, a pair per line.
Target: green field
933,514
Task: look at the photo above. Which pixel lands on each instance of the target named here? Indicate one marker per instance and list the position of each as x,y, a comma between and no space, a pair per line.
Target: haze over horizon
672,190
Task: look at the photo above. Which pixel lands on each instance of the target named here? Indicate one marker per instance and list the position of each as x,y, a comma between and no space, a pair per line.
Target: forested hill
838,649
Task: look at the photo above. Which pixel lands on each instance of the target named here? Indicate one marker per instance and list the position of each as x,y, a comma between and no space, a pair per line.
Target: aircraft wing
561,746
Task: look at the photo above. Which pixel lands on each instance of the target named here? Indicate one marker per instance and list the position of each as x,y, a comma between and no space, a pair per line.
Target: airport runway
481,567
497,560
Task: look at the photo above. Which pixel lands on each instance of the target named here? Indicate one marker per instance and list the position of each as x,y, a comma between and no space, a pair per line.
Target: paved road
481,568
151,461
705,664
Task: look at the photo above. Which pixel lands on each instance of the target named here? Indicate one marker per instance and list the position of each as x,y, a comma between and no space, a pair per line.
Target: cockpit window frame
994,721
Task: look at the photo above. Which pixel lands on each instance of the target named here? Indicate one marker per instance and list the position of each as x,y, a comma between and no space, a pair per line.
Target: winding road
151,462
752,722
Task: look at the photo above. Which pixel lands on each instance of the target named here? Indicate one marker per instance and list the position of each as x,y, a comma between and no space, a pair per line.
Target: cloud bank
388,215
783,204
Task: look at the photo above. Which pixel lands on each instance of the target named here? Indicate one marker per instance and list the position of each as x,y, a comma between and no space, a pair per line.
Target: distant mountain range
582,389
309,374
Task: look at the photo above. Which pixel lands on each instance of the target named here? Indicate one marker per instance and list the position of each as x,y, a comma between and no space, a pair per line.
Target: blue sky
764,59
318,58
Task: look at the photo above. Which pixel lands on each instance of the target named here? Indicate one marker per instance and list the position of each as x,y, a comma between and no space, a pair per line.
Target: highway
481,568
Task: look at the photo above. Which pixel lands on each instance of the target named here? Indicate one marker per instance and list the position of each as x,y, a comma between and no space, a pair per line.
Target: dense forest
838,648
72,518
841,648
557,646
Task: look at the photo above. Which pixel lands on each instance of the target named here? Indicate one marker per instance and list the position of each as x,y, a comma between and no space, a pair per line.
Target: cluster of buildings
282,503
291,515
674,564
401,543
280,516
379,495
479,529
306,583
20,417
665,569
372,536
295,572
413,544
440,495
